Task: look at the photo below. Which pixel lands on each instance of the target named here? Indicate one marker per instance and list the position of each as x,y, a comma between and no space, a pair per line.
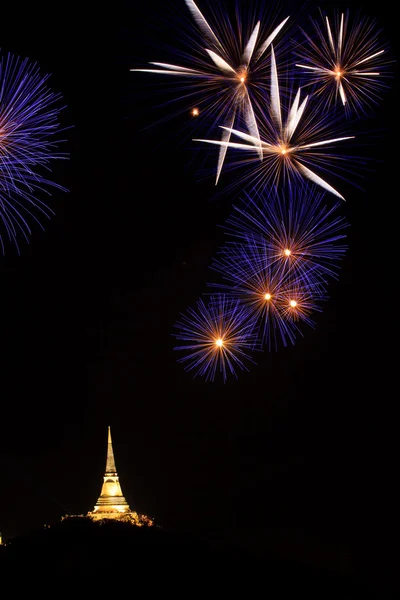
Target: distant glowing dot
242,79
267,296
287,252
283,151
219,342
338,74
195,112
293,303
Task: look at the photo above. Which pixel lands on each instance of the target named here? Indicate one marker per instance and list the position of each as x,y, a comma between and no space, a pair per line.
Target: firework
293,146
344,62
278,301
304,237
297,304
28,143
216,338
229,68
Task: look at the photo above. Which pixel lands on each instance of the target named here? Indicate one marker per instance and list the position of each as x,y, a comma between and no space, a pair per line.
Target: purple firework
278,299
216,337
303,235
29,128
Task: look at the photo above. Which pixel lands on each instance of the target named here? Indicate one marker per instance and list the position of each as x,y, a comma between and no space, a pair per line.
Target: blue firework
216,338
278,299
29,138
303,235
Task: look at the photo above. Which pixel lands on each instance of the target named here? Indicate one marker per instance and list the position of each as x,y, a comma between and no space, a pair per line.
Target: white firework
229,73
344,61
292,145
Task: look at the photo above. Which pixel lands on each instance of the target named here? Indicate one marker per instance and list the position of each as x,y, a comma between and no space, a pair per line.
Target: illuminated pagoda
111,503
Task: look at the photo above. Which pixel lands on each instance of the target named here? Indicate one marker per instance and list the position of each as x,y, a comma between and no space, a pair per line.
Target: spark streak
283,153
261,282
303,235
344,62
29,136
217,337
230,75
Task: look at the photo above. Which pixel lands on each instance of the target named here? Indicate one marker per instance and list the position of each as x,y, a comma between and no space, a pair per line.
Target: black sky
300,455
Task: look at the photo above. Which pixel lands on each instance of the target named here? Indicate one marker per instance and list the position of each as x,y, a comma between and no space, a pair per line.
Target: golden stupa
111,503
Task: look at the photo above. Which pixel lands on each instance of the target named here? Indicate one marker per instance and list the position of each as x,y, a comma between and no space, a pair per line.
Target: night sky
299,456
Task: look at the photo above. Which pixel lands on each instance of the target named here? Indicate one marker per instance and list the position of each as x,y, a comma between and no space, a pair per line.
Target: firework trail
29,128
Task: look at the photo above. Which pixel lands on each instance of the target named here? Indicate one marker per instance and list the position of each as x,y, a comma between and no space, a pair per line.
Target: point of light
293,303
283,149
287,252
219,342
195,112
267,296
242,76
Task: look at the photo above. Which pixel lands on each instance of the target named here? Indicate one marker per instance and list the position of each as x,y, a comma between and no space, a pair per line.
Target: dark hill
78,551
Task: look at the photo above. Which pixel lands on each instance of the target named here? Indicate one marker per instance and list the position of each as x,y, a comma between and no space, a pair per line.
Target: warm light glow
267,296
219,342
195,112
113,489
338,74
293,303
242,75
287,252
283,149
111,504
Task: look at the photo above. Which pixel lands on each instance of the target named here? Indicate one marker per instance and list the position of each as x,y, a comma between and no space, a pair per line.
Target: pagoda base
123,517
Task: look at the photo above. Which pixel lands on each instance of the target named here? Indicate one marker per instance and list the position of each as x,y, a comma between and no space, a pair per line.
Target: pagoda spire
110,463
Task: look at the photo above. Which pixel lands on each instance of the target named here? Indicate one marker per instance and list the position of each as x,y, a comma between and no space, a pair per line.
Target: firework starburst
229,69
29,126
292,146
303,235
344,61
277,301
216,337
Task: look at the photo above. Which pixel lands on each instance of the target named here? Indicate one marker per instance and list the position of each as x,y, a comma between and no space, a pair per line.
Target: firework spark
344,62
291,146
28,140
230,73
216,338
277,301
303,236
